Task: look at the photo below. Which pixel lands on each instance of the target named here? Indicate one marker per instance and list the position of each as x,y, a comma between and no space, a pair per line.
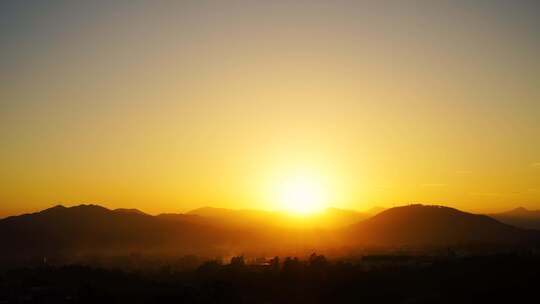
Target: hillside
520,217
417,225
88,230
331,218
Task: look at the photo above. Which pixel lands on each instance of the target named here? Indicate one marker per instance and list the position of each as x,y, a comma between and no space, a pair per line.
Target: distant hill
232,217
132,211
331,218
520,217
375,210
419,225
88,230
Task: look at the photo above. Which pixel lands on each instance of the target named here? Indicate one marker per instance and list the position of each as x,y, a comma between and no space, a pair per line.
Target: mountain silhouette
87,230
519,217
420,225
129,210
330,218
375,210
94,230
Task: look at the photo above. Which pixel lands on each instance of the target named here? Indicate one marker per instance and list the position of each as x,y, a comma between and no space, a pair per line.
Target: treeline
509,278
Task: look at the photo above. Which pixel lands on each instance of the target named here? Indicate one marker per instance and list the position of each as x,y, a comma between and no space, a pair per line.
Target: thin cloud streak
434,185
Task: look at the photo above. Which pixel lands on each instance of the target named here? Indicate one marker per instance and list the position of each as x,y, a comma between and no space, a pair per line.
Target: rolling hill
520,217
92,229
95,230
331,218
420,225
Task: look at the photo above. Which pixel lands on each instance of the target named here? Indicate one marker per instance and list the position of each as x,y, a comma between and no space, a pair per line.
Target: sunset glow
303,195
173,105
280,151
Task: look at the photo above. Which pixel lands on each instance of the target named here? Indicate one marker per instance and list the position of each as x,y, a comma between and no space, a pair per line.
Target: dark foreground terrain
508,278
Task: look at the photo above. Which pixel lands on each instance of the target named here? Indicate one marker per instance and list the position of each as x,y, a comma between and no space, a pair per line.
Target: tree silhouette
238,261
274,264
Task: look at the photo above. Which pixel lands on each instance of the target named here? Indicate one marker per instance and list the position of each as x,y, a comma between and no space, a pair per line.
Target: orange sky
169,107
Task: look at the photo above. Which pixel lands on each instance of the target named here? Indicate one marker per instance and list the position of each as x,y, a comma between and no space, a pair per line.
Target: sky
167,106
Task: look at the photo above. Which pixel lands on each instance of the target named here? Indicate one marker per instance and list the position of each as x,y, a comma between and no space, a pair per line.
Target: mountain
420,225
331,218
129,210
520,217
375,210
232,217
92,230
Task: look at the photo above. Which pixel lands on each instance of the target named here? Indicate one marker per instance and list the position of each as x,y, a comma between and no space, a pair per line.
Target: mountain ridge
93,229
419,224
519,217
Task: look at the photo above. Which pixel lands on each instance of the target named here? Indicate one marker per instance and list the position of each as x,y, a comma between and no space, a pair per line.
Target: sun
303,194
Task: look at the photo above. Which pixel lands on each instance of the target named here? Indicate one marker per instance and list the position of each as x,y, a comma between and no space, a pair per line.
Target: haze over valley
282,151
